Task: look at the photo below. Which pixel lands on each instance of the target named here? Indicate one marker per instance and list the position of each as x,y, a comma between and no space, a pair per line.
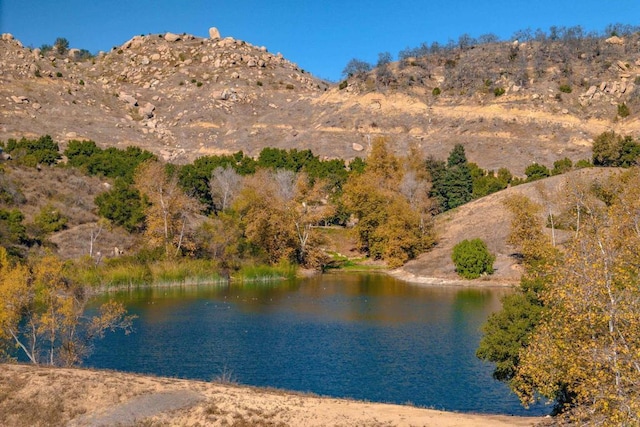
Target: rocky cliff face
183,97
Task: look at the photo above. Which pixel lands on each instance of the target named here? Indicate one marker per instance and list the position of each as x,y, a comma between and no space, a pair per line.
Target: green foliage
111,162
536,171
58,74
32,152
583,163
452,183
436,91
13,234
61,45
562,166
623,110
122,205
565,88
343,85
610,149
499,91
507,331
472,258
486,182
50,219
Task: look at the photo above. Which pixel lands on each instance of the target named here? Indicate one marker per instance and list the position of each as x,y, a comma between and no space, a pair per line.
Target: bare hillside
488,219
182,97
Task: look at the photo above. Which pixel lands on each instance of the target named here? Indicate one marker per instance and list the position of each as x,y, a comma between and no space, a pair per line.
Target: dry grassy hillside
488,219
184,97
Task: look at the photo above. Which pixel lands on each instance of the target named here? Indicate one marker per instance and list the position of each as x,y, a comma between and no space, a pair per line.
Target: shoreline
81,397
429,281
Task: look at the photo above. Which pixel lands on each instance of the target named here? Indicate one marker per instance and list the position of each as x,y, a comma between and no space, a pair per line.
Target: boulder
7,37
170,37
128,99
147,110
357,147
615,40
73,54
36,53
20,99
214,34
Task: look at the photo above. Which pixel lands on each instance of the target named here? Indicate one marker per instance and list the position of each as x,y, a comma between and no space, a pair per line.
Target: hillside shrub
565,88
623,110
499,91
50,219
472,258
436,91
536,171
343,84
31,152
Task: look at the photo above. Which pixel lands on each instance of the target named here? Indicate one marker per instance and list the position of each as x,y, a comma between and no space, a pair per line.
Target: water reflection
365,336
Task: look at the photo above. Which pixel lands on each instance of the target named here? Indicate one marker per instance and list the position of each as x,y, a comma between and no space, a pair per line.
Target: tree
168,211
122,205
472,258
225,184
42,313
586,350
381,198
356,67
536,171
61,45
508,332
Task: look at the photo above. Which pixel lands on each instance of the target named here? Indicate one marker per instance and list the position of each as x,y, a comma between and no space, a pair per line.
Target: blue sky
320,36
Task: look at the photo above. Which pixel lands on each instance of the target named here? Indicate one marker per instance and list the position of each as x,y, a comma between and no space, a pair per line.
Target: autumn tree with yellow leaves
42,313
168,209
390,201
571,334
587,346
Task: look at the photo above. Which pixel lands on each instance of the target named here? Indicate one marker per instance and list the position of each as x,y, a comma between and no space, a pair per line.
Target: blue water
361,336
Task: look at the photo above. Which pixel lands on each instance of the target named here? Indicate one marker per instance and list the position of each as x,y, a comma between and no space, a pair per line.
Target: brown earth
193,97
488,219
41,396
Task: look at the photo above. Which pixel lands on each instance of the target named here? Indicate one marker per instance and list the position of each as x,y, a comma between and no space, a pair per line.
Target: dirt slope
488,219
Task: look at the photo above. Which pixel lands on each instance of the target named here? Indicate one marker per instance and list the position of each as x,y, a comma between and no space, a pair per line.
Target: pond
361,336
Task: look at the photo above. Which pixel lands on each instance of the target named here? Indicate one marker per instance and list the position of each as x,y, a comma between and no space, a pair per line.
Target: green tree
508,331
50,219
562,166
61,45
122,205
536,171
472,258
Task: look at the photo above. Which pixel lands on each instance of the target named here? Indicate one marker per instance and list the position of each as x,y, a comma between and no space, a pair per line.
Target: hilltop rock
170,37
214,34
615,40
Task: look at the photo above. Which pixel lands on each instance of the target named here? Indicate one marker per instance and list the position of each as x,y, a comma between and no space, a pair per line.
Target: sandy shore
32,396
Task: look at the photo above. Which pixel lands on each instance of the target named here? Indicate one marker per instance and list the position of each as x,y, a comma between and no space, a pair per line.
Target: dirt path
139,408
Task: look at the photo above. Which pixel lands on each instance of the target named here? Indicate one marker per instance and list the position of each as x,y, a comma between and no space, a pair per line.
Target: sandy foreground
32,396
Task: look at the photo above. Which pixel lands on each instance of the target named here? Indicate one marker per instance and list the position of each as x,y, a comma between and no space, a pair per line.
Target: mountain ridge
182,97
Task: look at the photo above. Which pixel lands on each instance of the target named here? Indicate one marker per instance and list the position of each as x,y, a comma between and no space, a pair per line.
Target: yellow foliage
587,347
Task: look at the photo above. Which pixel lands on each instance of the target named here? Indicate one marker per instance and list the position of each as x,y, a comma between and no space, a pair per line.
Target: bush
343,84
499,91
472,258
50,219
623,110
436,91
565,88
536,171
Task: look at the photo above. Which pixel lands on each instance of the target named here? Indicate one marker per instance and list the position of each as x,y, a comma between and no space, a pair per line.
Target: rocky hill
182,97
